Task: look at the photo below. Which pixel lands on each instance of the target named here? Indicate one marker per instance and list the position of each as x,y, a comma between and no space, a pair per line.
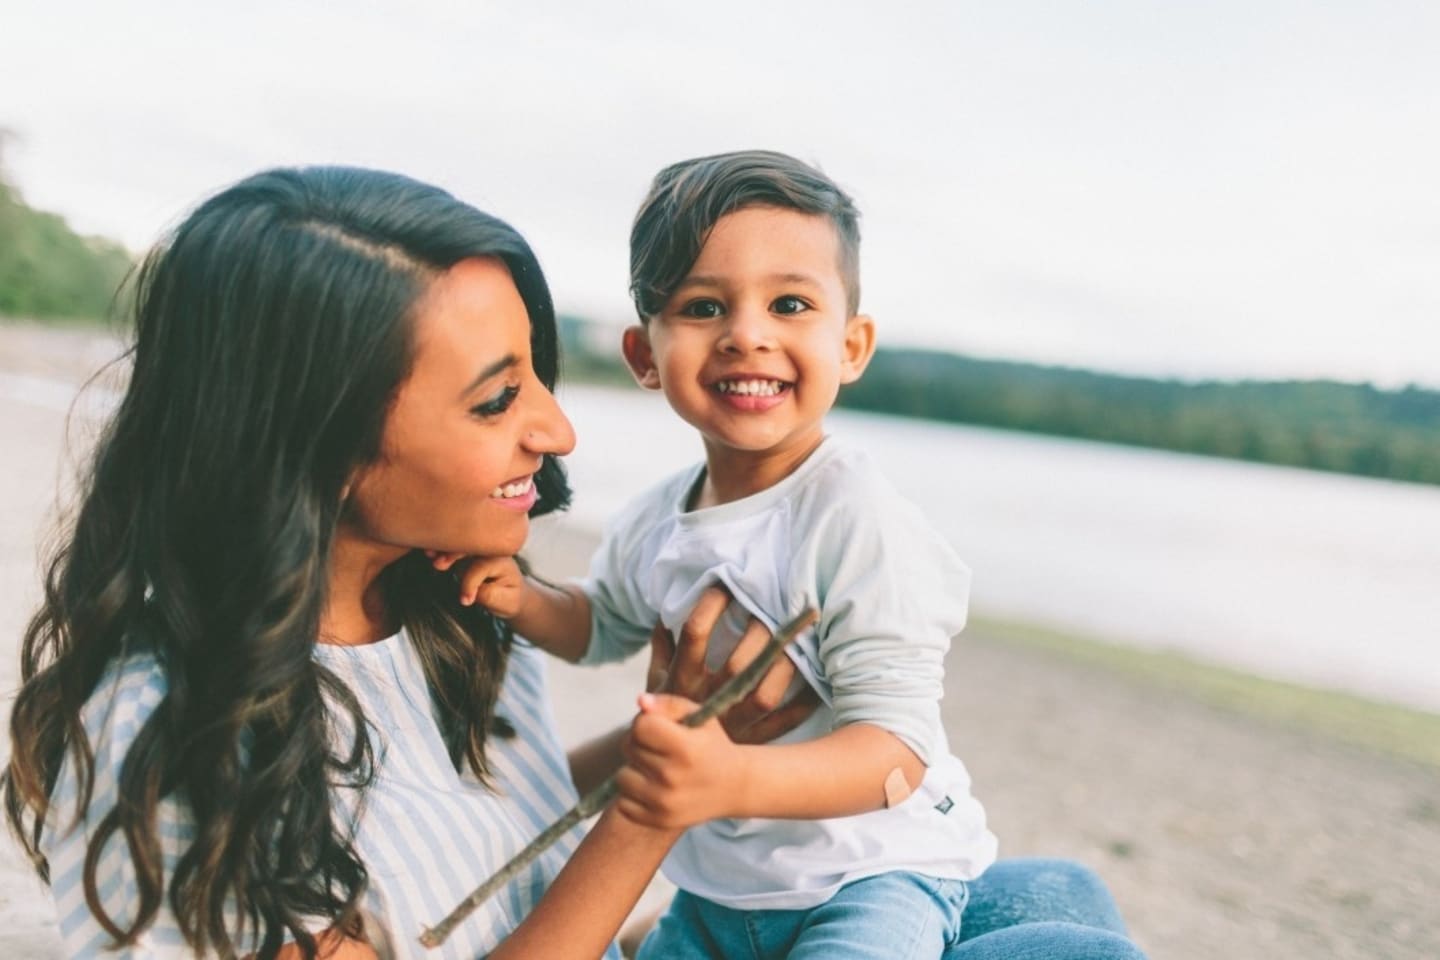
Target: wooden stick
734,690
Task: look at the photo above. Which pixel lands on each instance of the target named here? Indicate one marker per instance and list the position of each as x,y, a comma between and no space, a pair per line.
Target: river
1326,580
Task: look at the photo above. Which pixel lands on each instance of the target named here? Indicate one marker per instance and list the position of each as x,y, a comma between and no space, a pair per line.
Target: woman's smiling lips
752,394
517,494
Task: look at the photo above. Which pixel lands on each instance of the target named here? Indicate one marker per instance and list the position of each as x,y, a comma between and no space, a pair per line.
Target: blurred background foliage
47,271
1320,425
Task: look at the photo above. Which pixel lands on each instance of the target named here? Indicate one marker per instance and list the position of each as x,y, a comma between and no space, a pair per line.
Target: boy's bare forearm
838,775
554,617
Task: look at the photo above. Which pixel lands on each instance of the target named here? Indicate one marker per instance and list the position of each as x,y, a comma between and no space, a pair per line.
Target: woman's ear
857,348
635,344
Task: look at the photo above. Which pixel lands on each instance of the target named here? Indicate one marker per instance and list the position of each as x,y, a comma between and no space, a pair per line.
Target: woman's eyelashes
497,404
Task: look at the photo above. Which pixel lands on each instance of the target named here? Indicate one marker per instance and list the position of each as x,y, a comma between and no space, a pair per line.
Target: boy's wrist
748,793
525,606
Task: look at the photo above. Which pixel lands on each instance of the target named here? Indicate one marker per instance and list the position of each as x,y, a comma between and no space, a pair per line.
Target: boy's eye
702,309
497,404
789,304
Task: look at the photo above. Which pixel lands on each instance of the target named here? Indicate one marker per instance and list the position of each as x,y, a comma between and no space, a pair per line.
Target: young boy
852,835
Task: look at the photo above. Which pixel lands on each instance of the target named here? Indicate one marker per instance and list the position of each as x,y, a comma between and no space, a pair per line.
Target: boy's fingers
660,734
636,813
478,570
633,785
648,763
667,705
630,781
473,580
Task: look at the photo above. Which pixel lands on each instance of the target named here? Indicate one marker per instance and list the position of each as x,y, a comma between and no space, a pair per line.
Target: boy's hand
495,583
677,776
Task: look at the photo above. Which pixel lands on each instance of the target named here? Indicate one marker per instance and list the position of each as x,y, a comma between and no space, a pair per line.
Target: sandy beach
1224,833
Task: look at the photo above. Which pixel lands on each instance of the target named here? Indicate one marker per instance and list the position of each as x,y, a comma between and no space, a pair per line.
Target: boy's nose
748,330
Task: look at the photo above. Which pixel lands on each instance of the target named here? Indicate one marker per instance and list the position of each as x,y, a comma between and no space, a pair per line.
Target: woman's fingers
752,642
662,652
773,724
688,675
759,717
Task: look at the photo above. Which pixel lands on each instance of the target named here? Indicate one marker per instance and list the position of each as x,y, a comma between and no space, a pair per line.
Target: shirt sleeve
892,595
620,619
122,703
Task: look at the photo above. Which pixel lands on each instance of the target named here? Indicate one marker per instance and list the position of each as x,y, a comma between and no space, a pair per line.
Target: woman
332,367
255,720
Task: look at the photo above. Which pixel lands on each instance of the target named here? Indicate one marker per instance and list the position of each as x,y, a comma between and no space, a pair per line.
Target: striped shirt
427,834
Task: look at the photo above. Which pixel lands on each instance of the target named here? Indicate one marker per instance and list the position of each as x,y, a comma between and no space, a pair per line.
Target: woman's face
466,433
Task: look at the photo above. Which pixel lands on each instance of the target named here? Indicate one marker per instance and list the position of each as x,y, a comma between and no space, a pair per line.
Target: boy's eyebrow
795,278
700,280
504,363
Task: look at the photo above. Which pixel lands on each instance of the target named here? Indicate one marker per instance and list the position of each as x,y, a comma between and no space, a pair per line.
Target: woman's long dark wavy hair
272,331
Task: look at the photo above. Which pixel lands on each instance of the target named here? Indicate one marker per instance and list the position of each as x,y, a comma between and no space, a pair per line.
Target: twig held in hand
734,690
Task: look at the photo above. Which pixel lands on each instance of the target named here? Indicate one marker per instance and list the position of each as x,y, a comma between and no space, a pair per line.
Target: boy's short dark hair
688,198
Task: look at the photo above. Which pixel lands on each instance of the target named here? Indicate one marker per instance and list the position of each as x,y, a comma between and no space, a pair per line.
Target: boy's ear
857,348
635,344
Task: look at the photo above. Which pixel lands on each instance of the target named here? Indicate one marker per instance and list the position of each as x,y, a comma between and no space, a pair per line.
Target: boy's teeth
750,388
513,489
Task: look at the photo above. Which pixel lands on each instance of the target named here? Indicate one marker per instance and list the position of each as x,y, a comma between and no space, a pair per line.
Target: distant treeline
1321,425
47,271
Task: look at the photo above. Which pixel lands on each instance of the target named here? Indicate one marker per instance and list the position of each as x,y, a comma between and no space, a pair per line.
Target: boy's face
753,345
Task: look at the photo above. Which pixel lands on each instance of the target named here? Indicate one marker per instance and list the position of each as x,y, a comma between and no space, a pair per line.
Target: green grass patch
1399,731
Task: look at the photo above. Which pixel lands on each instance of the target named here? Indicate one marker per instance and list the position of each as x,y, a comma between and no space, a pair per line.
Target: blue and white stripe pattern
428,835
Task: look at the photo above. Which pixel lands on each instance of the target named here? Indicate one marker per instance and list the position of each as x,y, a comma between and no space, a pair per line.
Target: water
1326,580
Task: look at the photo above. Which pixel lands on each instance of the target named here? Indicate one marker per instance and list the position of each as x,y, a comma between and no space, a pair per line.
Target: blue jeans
1017,910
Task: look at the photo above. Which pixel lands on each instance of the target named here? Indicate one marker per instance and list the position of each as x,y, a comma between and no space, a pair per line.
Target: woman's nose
550,430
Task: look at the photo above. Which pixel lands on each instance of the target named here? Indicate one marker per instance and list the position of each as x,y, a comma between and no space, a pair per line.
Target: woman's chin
496,543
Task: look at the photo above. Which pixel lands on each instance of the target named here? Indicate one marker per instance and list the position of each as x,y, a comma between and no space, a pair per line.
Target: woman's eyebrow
499,366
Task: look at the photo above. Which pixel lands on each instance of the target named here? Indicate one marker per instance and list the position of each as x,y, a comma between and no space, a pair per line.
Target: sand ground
1222,835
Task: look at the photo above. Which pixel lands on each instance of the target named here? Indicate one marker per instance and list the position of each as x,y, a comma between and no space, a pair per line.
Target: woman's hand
679,668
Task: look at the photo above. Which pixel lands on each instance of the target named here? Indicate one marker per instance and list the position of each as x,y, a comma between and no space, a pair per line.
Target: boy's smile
755,394
754,343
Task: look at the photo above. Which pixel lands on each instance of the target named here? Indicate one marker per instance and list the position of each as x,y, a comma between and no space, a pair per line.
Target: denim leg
893,916
1023,891
1046,940
693,929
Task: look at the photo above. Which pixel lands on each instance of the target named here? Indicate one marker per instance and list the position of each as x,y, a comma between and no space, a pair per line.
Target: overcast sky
1229,188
